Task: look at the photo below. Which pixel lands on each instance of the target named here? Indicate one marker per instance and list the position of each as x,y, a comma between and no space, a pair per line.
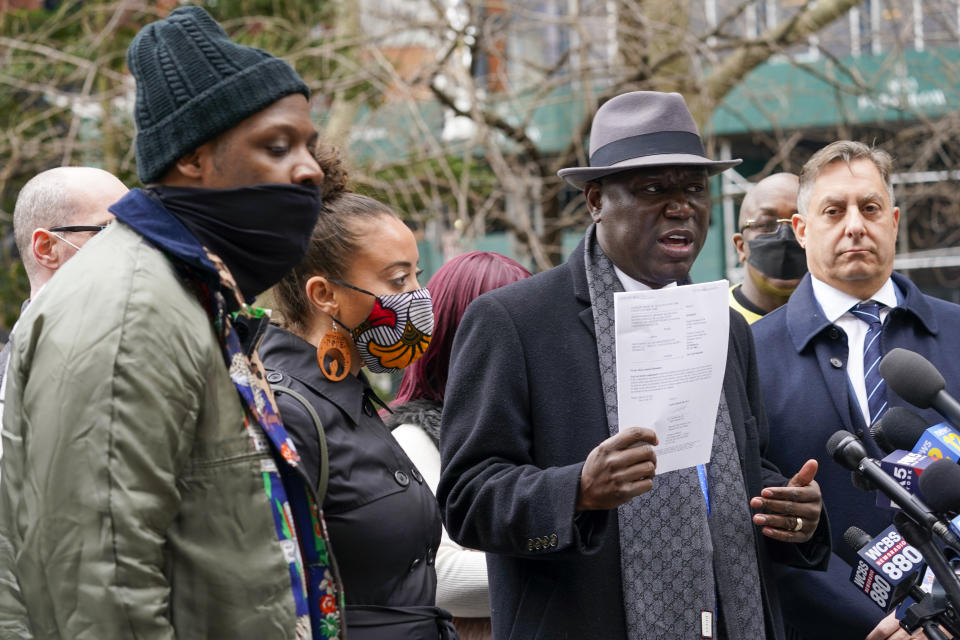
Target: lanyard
704,485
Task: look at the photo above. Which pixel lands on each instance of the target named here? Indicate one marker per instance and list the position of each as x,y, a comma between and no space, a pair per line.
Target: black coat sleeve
493,495
815,553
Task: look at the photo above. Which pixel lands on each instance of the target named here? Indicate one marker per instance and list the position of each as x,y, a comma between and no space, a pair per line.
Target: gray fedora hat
642,129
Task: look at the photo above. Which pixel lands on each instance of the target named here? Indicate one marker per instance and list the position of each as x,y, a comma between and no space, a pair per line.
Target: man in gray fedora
585,540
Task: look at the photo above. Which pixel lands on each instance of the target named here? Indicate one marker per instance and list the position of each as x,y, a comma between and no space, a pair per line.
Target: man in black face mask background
773,260
150,489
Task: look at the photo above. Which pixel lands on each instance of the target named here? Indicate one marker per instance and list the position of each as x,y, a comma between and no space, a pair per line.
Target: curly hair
335,175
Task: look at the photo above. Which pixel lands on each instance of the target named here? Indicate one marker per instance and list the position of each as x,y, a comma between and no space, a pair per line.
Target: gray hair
846,151
57,197
46,200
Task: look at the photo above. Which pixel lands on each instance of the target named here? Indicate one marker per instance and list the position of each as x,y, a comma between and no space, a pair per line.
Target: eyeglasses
96,228
767,225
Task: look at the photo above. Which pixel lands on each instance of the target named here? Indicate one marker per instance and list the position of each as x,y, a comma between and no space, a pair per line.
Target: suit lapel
809,328
835,379
581,291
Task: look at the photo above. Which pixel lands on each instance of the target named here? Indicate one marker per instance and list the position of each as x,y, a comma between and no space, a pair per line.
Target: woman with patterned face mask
355,302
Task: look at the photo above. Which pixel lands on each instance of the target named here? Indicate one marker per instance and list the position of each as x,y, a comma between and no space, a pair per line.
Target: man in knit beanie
149,489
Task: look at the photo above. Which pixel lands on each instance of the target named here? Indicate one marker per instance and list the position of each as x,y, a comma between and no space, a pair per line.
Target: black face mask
259,232
778,255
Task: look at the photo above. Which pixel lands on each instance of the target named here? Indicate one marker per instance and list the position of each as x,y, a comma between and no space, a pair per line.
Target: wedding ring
799,524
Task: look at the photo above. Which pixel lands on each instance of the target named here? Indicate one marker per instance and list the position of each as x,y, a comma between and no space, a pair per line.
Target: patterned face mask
396,332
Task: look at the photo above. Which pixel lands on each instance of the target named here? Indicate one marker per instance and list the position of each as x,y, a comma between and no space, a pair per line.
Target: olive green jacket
131,500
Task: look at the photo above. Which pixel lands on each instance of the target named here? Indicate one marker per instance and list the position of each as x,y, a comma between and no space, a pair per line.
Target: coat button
274,377
860,433
536,544
836,363
553,540
529,544
401,478
431,556
416,475
834,333
414,564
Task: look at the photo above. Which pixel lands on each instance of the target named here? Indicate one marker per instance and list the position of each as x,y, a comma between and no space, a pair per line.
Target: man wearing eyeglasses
774,262
56,213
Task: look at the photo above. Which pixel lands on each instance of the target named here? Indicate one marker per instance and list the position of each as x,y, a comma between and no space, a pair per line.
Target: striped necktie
869,312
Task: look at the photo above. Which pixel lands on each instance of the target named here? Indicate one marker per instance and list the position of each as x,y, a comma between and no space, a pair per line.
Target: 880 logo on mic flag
887,568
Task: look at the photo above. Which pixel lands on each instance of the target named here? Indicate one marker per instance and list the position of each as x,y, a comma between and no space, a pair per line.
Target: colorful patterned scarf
298,519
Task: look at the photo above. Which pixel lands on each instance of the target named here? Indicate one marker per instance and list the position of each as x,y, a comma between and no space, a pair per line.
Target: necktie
869,312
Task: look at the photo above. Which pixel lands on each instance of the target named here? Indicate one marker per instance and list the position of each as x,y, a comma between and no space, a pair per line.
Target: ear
45,251
322,296
800,229
191,165
594,195
896,218
739,243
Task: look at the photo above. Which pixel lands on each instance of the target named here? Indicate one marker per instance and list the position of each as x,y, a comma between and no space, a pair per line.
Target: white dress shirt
629,284
836,307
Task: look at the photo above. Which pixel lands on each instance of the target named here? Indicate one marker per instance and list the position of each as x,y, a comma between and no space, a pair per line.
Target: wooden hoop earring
333,355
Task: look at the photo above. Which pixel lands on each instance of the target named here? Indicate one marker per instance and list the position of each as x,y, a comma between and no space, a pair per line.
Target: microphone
888,568
918,382
898,428
848,451
901,428
861,483
906,467
939,441
940,484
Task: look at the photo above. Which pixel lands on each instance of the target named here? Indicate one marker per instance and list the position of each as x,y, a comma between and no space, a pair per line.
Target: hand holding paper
618,469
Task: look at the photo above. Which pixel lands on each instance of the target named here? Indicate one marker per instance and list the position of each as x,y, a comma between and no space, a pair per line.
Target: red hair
452,288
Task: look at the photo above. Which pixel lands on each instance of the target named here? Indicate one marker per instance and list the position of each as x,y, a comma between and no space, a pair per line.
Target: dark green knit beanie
193,84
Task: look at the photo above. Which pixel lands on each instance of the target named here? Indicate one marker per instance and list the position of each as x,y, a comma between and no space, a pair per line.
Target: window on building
864,39
940,23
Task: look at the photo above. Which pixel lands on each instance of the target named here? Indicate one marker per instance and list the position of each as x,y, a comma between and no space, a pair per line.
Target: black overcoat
523,408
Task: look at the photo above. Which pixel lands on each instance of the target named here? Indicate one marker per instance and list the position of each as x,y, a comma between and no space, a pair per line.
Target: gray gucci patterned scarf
676,560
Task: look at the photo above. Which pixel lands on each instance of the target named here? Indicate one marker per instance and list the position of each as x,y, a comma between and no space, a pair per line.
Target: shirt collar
835,303
629,284
806,318
297,358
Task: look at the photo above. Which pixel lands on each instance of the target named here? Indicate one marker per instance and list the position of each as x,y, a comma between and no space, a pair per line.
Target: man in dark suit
817,357
584,540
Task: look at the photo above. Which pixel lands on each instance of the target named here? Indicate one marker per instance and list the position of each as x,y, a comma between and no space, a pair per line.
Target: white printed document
671,356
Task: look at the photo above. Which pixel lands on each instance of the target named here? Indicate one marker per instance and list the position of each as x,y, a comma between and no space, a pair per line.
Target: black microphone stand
929,615
919,538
